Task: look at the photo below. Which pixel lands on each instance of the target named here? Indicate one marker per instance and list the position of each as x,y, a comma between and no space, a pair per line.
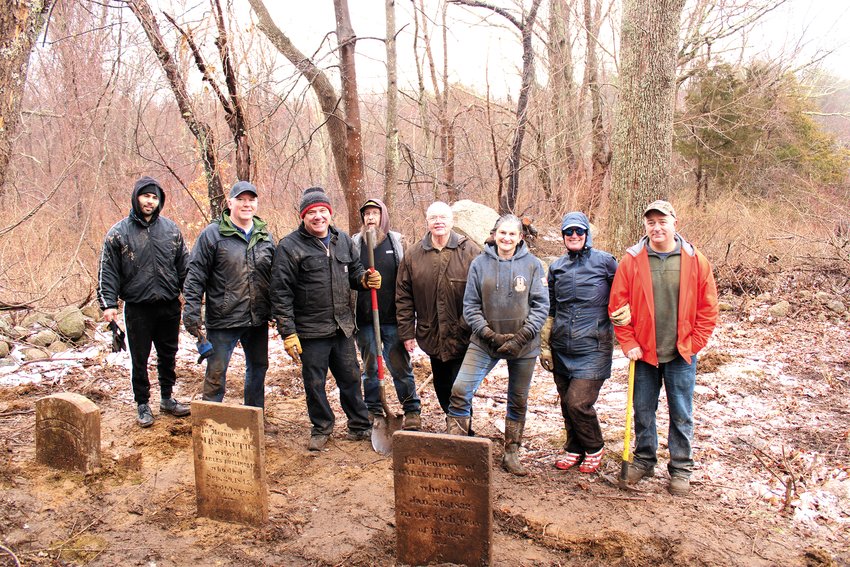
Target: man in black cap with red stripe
315,268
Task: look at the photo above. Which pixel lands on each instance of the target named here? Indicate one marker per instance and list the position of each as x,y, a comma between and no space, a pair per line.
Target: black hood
134,200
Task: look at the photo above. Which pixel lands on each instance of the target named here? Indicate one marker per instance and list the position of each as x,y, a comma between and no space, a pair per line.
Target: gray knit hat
314,197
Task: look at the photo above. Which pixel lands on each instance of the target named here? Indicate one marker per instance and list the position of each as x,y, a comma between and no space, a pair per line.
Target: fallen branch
11,553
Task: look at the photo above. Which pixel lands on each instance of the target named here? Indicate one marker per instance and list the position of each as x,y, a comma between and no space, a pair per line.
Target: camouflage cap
662,207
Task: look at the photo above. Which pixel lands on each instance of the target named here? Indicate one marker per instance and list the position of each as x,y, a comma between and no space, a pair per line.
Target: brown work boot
636,472
513,440
412,421
457,425
679,486
317,442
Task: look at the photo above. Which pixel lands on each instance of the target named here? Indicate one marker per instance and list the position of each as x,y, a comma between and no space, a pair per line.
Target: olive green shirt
665,269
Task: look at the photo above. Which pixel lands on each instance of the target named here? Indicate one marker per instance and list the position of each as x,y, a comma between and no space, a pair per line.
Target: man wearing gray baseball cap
231,264
670,289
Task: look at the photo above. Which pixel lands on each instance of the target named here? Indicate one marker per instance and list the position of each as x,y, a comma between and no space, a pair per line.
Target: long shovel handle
627,437
376,324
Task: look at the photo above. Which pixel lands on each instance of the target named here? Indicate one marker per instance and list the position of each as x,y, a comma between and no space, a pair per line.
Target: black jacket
311,284
234,273
142,261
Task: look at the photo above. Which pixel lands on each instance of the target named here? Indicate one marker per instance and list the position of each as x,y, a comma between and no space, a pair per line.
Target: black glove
205,350
493,338
513,346
117,337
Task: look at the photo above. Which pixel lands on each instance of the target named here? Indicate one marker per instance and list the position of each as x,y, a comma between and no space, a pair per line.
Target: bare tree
643,134
342,113
200,129
21,22
391,156
600,155
231,102
508,200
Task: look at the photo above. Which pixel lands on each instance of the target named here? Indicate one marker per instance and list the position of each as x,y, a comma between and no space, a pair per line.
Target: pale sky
479,53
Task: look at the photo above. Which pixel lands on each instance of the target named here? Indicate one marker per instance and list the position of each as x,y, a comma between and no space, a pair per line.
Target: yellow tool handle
627,438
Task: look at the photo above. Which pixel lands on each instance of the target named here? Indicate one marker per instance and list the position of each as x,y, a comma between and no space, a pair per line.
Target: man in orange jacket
672,296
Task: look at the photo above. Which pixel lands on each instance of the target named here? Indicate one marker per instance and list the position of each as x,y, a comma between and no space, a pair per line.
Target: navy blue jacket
579,287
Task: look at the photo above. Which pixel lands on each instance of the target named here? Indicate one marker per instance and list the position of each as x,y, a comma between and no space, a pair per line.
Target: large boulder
71,323
4,349
474,220
43,338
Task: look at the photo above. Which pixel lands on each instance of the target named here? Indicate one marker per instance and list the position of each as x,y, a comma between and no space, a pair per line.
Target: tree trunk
21,22
508,204
563,94
354,193
391,158
200,129
600,153
643,135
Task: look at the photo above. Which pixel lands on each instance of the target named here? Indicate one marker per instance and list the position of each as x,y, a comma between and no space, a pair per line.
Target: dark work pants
579,377
445,373
337,354
158,324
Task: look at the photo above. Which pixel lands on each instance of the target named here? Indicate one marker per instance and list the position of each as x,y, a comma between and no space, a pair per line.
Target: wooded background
615,103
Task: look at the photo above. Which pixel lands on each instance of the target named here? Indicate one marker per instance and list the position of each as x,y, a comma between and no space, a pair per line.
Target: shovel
384,426
627,436
117,337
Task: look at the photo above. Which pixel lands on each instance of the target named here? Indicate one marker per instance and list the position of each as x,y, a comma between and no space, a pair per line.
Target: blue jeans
336,354
255,343
476,365
679,378
396,360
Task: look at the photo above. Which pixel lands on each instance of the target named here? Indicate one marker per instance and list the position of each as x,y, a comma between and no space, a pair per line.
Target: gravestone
67,432
230,472
443,499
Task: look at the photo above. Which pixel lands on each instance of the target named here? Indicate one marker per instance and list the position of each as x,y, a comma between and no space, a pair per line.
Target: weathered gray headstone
230,472
67,432
443,499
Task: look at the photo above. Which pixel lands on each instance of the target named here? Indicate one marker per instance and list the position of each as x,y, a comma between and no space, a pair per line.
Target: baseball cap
242,187
662,207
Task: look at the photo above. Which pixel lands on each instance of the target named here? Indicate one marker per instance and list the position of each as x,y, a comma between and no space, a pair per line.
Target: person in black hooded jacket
144,262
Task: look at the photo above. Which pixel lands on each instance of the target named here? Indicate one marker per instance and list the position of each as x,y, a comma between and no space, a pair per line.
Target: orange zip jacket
697,302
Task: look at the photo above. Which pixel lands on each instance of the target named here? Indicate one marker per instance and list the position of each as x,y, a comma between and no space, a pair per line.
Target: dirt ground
771,487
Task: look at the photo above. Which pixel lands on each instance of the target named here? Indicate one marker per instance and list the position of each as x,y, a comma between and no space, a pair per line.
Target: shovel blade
382,433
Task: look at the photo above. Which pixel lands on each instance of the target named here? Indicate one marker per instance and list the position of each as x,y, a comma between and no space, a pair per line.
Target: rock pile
40,334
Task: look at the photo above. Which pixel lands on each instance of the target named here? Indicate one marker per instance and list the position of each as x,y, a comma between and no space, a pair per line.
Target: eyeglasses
574,230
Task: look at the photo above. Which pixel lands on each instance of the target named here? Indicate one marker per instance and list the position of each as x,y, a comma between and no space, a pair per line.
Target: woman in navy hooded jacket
505,305
581,338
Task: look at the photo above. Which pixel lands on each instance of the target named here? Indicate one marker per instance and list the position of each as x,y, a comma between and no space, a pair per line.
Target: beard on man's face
379,234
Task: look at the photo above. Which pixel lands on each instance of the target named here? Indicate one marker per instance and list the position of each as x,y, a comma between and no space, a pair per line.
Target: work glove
545,351
117,337
193,329
371,279
515,344
205,350
622,316
292,346
493,338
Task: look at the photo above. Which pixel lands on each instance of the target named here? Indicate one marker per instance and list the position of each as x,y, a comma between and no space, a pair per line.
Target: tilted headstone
230,472
67,432
443,499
